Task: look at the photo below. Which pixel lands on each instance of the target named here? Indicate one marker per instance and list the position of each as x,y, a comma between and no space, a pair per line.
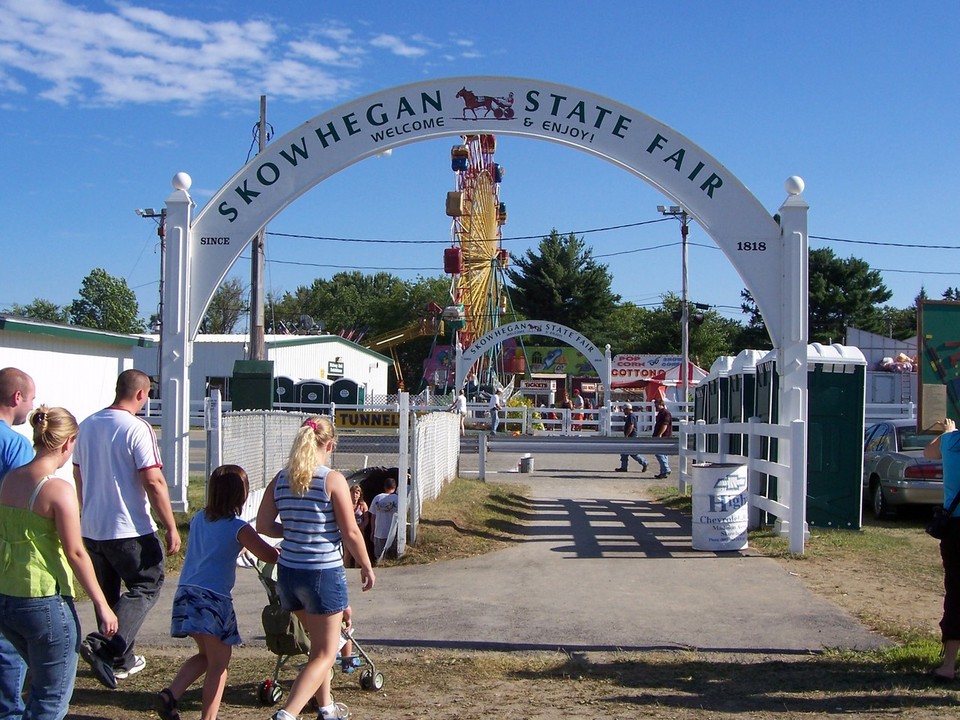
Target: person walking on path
203,605
631,422
17,394
662,428
119,478
316,516
383,512
459,406
496,402
947,448
41,552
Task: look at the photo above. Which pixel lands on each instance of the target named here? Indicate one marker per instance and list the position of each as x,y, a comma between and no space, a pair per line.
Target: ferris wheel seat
454,203
453,261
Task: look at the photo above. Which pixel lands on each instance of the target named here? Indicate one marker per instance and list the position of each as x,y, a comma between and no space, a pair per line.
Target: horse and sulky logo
501,107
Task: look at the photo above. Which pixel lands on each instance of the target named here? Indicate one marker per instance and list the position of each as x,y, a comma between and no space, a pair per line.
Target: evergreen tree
562,283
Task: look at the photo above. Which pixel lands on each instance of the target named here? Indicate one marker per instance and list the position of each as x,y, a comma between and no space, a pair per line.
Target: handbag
942,517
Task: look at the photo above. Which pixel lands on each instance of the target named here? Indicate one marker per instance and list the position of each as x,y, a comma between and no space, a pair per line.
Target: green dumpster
251,387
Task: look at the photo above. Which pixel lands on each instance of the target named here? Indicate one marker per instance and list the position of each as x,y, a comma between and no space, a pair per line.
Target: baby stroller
287,638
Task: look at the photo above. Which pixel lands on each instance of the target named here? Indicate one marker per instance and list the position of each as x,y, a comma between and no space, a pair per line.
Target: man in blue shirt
17,392
947,448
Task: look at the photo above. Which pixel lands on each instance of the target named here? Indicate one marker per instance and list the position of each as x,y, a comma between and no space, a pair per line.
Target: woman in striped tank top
315,513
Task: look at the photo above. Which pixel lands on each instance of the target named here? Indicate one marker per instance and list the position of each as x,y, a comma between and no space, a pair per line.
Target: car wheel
881,509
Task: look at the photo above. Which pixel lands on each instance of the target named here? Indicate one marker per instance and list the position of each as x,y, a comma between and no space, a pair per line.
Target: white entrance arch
601,361
770,258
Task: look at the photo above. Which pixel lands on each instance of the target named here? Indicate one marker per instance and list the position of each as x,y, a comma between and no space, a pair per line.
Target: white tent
694,376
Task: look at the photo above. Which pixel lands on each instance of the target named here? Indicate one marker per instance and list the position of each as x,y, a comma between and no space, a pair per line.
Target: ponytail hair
314,434
52,427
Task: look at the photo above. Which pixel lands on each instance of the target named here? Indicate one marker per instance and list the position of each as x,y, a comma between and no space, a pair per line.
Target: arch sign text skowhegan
331,141
467,358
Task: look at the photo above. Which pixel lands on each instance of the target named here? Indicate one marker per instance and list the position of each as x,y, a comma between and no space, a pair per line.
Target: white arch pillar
176,344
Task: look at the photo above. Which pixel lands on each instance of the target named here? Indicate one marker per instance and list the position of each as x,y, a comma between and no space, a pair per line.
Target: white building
73,367
295,357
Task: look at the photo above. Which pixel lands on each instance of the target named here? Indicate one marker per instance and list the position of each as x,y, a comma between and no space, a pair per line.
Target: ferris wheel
476,260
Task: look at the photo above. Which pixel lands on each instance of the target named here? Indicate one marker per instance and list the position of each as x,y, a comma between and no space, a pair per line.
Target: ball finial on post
794,185
181,181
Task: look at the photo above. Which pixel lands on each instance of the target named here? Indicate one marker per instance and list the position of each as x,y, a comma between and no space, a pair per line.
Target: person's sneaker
101,668
661,476
643,467
620,469
139,663
339,712
349,664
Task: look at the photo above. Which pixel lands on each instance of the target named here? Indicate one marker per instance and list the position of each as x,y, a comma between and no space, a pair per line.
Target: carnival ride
476,261
427,324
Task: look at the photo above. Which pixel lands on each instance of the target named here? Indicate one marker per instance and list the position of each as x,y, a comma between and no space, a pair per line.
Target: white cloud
134,54
397,46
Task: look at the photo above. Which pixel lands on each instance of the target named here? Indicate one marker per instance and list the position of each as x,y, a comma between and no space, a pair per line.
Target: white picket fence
791,503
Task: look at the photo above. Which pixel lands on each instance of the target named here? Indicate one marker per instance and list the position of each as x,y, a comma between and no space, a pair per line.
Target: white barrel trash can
720,506
526,463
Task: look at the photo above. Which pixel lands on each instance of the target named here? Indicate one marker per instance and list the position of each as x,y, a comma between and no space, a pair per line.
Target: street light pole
681,214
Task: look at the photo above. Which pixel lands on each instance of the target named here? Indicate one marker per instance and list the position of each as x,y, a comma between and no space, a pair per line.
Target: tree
754,334
360,306
711,335
562,283
842,293
106,303
41,309
229,302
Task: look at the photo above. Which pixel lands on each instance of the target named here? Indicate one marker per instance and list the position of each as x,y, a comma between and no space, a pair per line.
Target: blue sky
103,102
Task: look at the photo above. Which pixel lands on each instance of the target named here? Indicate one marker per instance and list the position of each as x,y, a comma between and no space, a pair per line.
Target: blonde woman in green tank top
40,552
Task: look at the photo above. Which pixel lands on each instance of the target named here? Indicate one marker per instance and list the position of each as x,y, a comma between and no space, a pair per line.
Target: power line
378,241
886,244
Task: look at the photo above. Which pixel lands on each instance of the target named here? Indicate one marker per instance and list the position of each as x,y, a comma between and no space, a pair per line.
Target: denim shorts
318,592
198,611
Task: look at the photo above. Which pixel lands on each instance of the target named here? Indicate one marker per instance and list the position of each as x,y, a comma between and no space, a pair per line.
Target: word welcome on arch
334,140
467,358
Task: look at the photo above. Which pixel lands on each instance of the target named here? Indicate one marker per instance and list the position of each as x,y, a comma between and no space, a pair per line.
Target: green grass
471,517
898,551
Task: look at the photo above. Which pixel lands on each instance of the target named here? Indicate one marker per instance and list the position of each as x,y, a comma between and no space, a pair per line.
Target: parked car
895,473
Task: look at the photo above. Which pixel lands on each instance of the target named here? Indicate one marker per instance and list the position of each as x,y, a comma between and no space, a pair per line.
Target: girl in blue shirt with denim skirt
203,605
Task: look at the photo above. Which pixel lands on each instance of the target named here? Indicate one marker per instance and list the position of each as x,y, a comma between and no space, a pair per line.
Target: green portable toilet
718,390
699,408
743,386
836,385
311,393
251,387
284,391
347,392
766,407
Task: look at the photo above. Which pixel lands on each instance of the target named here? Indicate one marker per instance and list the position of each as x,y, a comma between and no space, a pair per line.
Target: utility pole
257,347
161,219
678,212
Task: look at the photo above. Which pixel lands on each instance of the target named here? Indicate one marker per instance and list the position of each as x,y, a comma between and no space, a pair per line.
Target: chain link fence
259,441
